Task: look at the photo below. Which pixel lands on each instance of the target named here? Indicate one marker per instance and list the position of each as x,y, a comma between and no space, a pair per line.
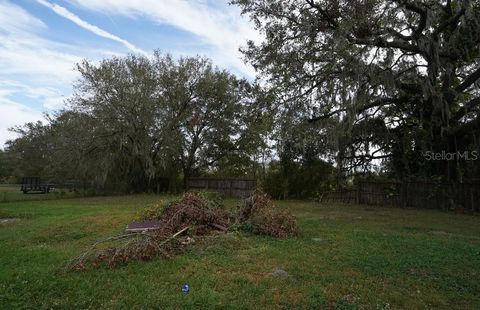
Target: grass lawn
347,257
11,192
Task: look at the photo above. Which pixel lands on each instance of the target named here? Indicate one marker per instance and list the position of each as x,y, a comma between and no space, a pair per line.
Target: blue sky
41,40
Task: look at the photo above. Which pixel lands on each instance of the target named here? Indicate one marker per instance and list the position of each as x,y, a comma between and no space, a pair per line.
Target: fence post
407,196
471,199
402,199
359,192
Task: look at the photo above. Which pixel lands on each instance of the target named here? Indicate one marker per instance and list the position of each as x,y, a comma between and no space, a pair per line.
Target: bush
275,184
285,180
317,197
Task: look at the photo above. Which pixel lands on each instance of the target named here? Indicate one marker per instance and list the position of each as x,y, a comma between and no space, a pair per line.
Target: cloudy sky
41,40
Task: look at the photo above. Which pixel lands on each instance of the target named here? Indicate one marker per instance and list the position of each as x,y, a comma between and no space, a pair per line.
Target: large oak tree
399,77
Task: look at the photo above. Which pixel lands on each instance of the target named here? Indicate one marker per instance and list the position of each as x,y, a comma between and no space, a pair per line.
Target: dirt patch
280,273
9,220
321,240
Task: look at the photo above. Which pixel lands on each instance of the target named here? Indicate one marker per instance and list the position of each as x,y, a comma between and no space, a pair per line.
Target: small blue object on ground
185,288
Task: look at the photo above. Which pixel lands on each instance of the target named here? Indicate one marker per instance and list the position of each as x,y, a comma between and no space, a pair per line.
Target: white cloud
24,52
14,18
36,69
216,23
13,113
32,68
51,98
86,25
36,61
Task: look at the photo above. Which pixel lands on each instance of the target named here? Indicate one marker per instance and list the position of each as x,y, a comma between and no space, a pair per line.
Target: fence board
411,194
230,187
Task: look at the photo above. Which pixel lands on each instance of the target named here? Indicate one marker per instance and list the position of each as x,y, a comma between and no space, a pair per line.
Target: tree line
134,121
346,89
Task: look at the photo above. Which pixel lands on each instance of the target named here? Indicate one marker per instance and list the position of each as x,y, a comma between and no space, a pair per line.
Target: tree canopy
397,78
135,120
345,88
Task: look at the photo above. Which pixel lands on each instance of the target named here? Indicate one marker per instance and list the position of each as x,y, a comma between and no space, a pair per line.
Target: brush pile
193,210
259,214
181,223
193,214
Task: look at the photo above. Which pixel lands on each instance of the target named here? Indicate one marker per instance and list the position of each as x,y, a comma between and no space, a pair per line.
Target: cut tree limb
219,227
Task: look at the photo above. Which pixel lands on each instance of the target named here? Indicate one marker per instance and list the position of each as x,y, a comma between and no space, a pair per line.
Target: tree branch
381,42
376,103
467,128
421,24
472,78
333,23
466,108
453,20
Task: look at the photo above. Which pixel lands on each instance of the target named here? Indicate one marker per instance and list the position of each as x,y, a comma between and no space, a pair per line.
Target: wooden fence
411,194
343,196
230,187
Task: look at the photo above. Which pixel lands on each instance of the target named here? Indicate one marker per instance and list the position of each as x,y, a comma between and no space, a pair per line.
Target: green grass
11,192
9,187
347,257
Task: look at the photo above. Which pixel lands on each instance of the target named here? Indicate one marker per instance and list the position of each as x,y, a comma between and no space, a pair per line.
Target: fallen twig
175,235
219,227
